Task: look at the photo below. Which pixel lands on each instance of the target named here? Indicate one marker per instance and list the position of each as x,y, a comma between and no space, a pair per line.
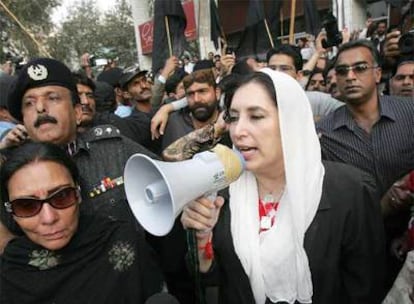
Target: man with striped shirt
372,132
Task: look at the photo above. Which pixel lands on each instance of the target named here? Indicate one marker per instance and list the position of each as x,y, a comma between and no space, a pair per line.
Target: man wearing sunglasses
373,133
44,98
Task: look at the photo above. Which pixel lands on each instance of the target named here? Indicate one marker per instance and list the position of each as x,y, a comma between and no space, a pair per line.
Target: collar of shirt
343,116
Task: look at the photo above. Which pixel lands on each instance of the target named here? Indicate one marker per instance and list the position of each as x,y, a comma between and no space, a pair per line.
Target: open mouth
247,152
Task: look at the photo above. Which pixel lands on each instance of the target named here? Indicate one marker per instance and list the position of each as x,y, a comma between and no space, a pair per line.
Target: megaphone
157,191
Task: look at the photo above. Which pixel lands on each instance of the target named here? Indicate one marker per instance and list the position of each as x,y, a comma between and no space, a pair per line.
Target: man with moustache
87,117
136,88
85,113
373,133
203,109
203,106
329,75
44,97
402,81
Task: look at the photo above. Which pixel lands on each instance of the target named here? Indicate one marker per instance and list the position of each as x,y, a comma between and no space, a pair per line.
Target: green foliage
36,18
87,31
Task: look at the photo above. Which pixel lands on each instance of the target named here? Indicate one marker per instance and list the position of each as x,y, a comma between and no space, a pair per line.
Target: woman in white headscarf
294,229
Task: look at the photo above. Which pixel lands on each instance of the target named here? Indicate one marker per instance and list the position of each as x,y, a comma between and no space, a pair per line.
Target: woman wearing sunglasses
295,229
64,255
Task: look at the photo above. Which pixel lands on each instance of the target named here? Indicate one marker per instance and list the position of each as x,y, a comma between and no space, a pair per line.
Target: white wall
350,13
140,15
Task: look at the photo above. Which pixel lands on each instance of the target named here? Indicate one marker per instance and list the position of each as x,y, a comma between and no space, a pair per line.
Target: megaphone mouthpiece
233,162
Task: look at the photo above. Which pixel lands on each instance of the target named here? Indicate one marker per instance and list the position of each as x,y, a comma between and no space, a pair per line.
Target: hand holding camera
228,60
333,35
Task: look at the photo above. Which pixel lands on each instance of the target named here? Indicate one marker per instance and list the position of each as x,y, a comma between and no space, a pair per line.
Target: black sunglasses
359,68
28,206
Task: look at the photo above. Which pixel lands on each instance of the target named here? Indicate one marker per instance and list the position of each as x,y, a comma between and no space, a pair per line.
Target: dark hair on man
241,67
289,50
402,60
360,43
201,76
382,21
105,100
330,64
203,64
173,81
84,80
314,72
256,77
31,152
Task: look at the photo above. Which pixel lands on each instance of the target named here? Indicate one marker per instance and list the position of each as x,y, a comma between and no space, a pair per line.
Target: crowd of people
324,212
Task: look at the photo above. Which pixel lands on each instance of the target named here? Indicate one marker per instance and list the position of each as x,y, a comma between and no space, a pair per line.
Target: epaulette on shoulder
101,132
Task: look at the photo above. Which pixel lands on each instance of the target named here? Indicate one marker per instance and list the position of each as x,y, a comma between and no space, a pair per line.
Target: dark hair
314,72
203,64
289,50
360,43
329,66
84,80
256,77
229,81
242,67
105,99
382,21
173,81
31,152
401,61
201,76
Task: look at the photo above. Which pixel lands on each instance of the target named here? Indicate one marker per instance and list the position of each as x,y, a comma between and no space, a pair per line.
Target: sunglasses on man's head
29,206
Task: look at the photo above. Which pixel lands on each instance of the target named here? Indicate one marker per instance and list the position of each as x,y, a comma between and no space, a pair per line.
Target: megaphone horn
157,191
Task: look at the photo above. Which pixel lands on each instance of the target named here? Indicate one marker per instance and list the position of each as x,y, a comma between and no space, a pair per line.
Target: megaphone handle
212,197
195,264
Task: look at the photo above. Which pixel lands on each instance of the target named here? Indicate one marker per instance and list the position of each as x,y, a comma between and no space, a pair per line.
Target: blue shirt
123,111
5,126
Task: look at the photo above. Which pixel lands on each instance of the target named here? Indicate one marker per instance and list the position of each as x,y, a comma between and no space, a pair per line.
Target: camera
406,43
333,35
15,59
95,61
229,50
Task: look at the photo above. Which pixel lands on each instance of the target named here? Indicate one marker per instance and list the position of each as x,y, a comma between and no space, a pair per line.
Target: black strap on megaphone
195,265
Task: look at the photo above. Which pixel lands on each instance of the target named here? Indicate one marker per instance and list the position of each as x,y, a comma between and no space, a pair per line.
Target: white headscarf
275,261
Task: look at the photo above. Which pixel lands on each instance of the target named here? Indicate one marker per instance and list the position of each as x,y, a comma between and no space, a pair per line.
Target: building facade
350,13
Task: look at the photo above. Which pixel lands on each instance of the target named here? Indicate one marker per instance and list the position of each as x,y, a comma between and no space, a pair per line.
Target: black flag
397,3
173,10
215,25
273,17
254,40
312,23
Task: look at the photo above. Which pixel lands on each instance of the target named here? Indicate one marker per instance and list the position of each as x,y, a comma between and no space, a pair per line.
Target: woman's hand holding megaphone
202,215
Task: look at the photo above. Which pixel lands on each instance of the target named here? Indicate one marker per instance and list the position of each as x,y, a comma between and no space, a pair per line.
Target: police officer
44,98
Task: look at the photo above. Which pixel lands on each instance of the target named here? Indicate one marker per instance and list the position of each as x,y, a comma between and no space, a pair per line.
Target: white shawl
275,261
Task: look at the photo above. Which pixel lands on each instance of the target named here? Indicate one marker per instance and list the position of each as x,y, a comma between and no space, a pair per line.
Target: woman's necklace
267,209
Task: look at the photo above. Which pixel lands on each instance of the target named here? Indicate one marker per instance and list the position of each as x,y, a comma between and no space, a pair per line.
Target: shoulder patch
102,132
